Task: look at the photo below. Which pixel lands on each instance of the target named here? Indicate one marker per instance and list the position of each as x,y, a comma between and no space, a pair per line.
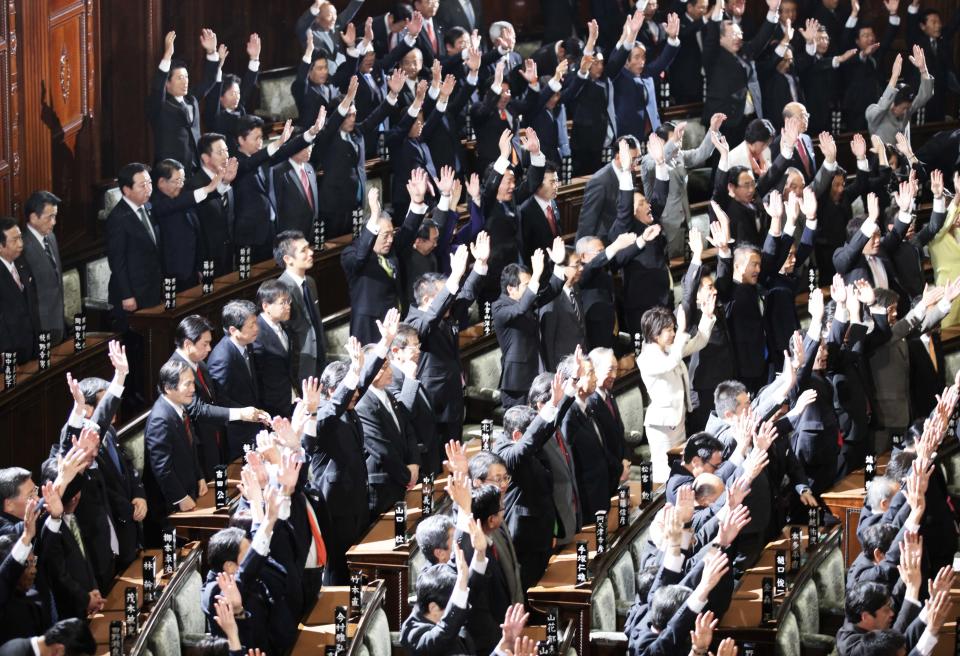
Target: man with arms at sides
603,404
19,320
372,261
69,637
273,350
192,341
437,315
227,99
172,476
515,321
334,446
295,189
42,254
231,366
215,213
181,249
173,113
294,253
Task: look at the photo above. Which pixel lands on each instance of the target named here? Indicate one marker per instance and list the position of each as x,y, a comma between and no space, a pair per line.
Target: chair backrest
806,608
630,404
417,563
788,637
133,445
111,197
275,97
951,470
829,578
623,577
603,607
186,606
336,337
377,638
98,278
72,295
483,375
165,639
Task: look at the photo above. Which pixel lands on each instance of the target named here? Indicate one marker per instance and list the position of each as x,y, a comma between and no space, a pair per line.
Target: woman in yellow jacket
945,246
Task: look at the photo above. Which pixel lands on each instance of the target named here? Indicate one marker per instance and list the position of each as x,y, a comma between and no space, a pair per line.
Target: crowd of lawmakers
768,415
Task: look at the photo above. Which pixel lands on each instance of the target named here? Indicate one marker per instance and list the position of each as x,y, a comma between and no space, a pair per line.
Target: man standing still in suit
19,321
601,193
41,252
173,113
294,253
172,476
231,365
273,353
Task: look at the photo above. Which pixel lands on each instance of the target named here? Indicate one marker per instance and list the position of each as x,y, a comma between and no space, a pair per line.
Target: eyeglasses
282,301
499,480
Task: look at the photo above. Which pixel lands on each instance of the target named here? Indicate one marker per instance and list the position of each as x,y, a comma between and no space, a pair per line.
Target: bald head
707,488
798,110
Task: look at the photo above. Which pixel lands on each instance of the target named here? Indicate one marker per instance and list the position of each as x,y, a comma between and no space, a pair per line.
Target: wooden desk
318,630
206,519
32,412
845,501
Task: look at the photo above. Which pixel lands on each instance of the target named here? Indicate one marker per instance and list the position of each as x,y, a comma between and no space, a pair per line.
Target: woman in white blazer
665,344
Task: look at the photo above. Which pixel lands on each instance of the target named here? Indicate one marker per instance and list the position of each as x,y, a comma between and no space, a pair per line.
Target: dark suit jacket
715,362
217,119
175,135
598,471
422,637
70,575
686,71
451,14
851,263
135,266
535,230
864,79
276,369
744,322
215,217
48,279
19,319
610,425
237,387
412,401
172,468
181,248
561,328
744,218
309,344
294,212
599,207
726,75
208,418
390,446
518,334
310,97
596,295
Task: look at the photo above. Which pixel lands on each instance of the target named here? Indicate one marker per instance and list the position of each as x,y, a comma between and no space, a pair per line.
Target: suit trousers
703,406
661,439
510,398
339,534
586,161
382,498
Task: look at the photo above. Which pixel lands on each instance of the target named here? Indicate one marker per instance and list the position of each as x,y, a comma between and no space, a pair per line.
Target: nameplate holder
400,524
44,344
340,629
426,490
646,482
79,332
623,505
766,603
116,638
486,434
356,593
220,498
207,269
130,610
583,553
169,293
149,568
780,572
170,551
9,370
796,548
869,470
601,531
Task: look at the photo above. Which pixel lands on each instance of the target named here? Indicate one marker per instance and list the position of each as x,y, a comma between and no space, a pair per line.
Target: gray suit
676,213
566,497
49,279
884,124
599,207
310,344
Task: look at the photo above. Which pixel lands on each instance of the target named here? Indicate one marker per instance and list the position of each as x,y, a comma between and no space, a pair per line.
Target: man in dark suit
596,285
444,139
181,249
686,71
411,399
393,456
466,14
408,151
593,111
372,261
172,475
294,253
256,209
561,320
231,366
515,321
133,247
341,149
440,307
326,27
732,84
499,110
436,624
601,193
69,637
173,113
925,28
863,74
274,350
866,255
19,307
295,190
42,254
215,213
312,88
539,214
605,411
335,448
227,100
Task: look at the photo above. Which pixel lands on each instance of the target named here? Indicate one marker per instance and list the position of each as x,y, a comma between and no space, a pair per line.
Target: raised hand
415,24
480,248
458,263
30,513
208,40
737,492
222,53
52,500
673,26
529,72
809,204
655,148
715,122
828,146
728,647
477,537
695,241
720,143
558,251
388,327
458,485
858,146
530,141
287,132
417,185
456,460
513,622
506,144
536,262
904,197
896,69
229,592
227,622
936,183
473,188
253,47
809,33
774,207
355,351
396,81
168,41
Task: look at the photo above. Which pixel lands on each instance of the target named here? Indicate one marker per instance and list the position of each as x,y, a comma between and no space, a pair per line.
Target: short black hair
667,126
205,145
247,124
174,65
914,432
451,34
126,173
645,579
191,328
228,81
725,396
541,390
6,223
169,376
332,375
864,597
235,314
75,636
480,464
901,462
759,129
283,245
518,418
733,177
435,584
426,285
271,291
38,202
888,642
91,387
11,478
701,445
485,502
423,232
165,168
926,13
905,94
878,536
665,603
434,533
654,321
224,547
510,276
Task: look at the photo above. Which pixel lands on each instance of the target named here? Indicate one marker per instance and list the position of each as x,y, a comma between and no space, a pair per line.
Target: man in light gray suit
43,255
676,214
293,252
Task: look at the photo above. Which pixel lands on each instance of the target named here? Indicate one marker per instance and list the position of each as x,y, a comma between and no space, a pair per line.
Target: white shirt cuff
830,166
863,165
773,16
213,56
380,350
373,225
548,412
939,204
418,208
673,41
20,551
234,414
199,195
75,420
413,110
695,604
433,92
409,40
273,148
911,9
811,49
626,180
444,204
472,78
501,165
895,20
351,380
663,172
309,136
459,597
254,65
554,85
164,65
851,22
310,428
538,160
582,74
261,540
904,217
780,50
219,75
944,305
868,228
479,566
441,106
559,272
53,525
452,286
481,269
674,563
306,59
926,643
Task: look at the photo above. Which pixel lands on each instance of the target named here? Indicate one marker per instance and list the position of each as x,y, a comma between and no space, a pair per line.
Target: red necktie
802,152
306,186
187,428
552,220
202,382
432,37
610,406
